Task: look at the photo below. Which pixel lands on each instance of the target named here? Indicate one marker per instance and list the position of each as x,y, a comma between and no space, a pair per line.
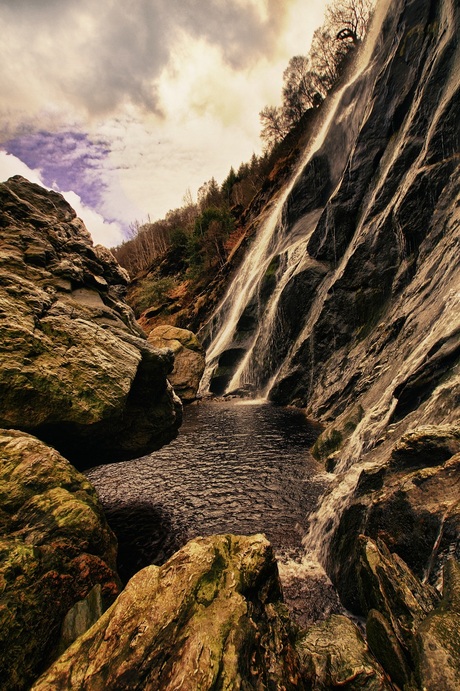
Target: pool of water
235,467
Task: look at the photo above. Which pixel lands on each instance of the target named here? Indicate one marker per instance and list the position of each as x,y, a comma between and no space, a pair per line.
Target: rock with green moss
334,655
189,358
55,547
75,369
210,618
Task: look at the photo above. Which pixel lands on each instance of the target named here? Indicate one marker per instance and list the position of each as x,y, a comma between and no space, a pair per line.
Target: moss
326,444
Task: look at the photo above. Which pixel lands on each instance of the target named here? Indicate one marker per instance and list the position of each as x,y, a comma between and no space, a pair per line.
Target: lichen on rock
55,546
76,370
210,618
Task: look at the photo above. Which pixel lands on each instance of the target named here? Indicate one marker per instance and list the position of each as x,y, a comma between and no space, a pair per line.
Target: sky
125,105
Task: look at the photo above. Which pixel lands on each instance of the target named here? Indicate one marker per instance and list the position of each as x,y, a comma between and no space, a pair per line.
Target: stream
237,466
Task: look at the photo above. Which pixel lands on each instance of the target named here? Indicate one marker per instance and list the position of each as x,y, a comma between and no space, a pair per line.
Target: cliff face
75,370
347,303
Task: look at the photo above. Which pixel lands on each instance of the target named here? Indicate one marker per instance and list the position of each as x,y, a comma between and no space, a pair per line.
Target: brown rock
75,369
209,618
335,656
55,546
189,359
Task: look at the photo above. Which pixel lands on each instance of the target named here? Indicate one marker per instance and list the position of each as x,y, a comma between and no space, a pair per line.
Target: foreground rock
210,618
189,359
75,370
55,547
335,656
437,642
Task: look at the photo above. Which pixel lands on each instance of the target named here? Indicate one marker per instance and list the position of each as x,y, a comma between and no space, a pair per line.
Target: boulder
76,370
334,655
211,617
189,358
386,584
437,640
410,501
55,547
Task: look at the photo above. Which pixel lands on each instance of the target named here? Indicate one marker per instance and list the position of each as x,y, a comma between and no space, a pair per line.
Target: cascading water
300,323
251,329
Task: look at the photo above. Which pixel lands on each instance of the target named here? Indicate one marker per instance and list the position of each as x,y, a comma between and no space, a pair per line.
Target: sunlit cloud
102,231
128,105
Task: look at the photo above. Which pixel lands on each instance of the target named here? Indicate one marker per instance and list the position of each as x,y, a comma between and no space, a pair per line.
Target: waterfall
250,332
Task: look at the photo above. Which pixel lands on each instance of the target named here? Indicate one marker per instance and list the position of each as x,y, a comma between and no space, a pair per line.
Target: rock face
334,656
210,618
189,358
363,313
55,547
411,501
76,371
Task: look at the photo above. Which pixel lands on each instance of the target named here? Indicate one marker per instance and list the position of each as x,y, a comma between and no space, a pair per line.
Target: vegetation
194,241
308,78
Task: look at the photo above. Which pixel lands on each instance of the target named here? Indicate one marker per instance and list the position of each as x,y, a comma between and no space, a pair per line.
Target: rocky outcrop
75,370
188,358
210,618
437,644
409,630
411,501
55,548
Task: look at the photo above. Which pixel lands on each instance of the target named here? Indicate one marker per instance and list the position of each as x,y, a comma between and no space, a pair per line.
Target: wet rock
211,617
55,546
385,646
76,370
334,655
437,640
414,509
386,584
189,358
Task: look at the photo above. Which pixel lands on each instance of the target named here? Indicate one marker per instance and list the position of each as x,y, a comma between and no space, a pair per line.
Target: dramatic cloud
102,231
127,104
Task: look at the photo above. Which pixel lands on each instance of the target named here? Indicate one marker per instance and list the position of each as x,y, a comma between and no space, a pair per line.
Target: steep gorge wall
354,312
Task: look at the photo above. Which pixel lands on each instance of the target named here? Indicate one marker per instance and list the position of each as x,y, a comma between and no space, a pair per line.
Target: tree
349,19
274,126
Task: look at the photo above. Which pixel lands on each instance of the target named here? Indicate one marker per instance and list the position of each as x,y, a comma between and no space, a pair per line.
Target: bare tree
348,19
274,126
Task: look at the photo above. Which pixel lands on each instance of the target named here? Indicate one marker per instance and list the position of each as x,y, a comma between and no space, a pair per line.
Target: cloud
107,233
102,231
128,104
98,56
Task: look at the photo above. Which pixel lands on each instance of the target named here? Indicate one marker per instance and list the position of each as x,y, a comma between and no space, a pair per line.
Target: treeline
197,238
309,78
199,235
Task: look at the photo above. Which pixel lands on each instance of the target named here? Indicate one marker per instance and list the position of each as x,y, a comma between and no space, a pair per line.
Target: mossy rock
210,618
55,546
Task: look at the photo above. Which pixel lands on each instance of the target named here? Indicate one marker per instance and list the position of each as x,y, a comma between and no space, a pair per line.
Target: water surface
235,467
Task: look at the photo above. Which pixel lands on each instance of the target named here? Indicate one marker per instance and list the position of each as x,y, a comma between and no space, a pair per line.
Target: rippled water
235,467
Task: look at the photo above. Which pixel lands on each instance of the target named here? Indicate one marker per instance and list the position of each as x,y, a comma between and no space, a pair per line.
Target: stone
211,617
437,640
75,369
81,617
334,655
414,509
189,358
386,584
55,547
385,646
